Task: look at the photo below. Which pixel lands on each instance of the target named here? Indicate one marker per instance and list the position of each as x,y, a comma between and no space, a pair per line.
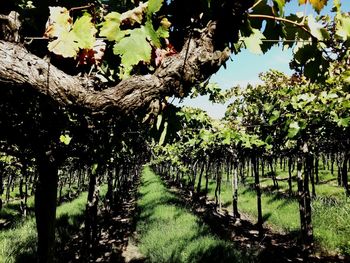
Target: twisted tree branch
19,68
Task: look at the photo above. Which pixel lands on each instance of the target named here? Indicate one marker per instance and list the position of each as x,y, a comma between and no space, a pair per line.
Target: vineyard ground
18,243
169,227
167,231
281,212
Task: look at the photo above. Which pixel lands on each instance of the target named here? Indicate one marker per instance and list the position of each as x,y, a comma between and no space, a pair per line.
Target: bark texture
197,61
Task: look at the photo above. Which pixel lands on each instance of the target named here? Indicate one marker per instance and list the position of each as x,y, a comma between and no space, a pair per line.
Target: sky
245,67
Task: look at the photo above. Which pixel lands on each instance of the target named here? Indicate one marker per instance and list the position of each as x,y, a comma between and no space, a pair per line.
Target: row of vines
286,124
106,172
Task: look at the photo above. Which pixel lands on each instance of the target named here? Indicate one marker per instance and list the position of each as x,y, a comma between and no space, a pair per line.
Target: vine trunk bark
258,195
45,207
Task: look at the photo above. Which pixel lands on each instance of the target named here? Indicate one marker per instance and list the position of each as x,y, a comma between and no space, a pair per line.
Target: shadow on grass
266,216
10,215
18,243
68,226
171,233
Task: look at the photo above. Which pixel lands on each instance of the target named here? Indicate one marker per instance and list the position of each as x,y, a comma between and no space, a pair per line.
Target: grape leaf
317,30
152,34
293,129
59,22
343,27
134,15
81,36
275,115
84,31
111,27
280,4
343,122
133,49
163,29
318,5
336,6
65,139
253,42
264,9
94,168
154,6
65,45
272,30
346,76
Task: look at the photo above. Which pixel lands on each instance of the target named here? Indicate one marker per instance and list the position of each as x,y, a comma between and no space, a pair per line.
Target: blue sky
245,67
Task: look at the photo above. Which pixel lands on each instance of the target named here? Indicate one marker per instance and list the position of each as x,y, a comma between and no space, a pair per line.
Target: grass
10,212
331,209
168,232
18,244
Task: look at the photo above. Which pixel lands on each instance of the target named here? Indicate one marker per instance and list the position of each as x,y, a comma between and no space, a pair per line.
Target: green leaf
293,129
94,168
154,6
272,30
132,50
111,27
346,76
162,33
343,27
253,42
205,135
343,122
336,6
317,30
84,31
163,29
81,36
269,139
65,139
275,115
280,4
154,37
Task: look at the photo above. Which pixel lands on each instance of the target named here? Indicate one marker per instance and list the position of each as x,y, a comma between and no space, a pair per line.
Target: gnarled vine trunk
45,206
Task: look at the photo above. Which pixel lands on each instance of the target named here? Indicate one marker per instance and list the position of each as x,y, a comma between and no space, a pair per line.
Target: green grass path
330,220
168,232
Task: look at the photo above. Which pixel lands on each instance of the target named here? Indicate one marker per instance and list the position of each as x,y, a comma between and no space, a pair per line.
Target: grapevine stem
301,25
253,6
81,7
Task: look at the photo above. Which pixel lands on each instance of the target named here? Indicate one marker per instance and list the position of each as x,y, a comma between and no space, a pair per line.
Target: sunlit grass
168,232
331,209
18,244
